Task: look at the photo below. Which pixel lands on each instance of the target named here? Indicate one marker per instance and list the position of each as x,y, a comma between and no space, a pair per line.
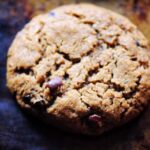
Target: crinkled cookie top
84,68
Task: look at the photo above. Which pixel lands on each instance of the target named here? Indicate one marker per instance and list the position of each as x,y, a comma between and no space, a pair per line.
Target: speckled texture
103,61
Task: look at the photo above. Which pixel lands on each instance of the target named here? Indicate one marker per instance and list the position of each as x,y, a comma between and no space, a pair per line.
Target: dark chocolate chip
66,76
40,105
134,58
95,120
27,98
51,14
137,43
54,83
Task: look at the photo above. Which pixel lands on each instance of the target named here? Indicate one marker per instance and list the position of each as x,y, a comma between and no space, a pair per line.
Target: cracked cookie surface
81,67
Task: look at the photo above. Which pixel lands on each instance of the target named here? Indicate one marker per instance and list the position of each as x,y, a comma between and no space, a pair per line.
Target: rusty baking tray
19,132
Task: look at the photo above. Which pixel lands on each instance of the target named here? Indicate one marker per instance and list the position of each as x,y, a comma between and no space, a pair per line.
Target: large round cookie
82,68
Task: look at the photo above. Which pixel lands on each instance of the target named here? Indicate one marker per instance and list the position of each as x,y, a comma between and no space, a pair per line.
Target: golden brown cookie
82,67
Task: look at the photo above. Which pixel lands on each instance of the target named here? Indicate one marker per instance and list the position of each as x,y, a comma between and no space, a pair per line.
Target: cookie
80,67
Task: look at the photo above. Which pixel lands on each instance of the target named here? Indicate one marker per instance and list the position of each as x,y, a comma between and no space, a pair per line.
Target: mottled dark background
18,131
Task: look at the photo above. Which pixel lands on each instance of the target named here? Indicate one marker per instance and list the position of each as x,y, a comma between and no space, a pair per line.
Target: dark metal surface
18,131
